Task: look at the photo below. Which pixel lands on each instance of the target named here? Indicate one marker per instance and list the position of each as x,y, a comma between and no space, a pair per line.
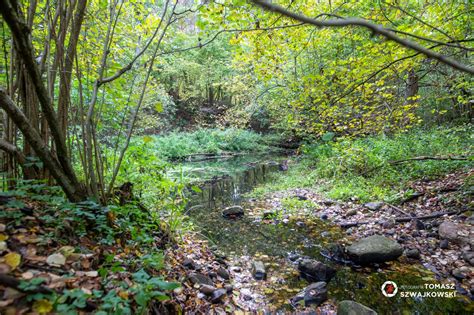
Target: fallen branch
422,158
397,209
406,219
436,158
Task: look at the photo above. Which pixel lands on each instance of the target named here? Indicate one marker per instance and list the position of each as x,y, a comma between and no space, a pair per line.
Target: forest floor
41,274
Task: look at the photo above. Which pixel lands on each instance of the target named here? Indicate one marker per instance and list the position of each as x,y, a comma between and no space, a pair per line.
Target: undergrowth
177,145
121,244
359,168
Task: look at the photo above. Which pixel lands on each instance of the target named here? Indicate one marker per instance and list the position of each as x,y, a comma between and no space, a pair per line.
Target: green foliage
177,145
360,167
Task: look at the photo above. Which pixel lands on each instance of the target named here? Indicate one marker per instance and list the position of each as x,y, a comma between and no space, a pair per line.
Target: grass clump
361,168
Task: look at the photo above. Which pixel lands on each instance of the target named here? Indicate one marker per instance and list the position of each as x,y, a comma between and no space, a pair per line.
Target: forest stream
280,240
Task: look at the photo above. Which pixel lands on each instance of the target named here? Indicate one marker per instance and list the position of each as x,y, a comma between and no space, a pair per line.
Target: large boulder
353,308
374,249
314,294
458,233
233,211
314,271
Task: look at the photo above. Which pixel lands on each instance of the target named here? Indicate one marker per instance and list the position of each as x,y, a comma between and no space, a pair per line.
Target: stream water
224,183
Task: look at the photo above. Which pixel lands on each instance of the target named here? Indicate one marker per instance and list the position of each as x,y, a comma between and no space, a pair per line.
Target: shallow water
225,182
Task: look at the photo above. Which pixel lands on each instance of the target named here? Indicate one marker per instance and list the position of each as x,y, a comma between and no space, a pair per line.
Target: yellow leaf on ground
3,237
12,259
123,295
42,306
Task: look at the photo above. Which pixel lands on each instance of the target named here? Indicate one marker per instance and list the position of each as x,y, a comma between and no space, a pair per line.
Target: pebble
444,244
218,295
460,273
413,253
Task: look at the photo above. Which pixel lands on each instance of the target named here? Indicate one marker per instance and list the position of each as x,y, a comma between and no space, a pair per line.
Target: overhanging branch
376,29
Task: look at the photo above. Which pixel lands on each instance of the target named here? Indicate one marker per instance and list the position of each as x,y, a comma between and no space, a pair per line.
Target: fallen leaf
66,251
123,295
3,237
27,275
12,259
3,246
56,260
92,274
42,306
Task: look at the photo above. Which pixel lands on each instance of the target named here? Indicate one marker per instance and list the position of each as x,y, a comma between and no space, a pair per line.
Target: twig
397,209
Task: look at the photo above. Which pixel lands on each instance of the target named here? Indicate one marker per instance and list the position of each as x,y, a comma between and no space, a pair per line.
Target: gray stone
189,263
218,295
351,212
314,294
314,271
456,232
353,308
413,253
223,273
468,256
233,211
199,278
258,270
461,273
207,289
444,244
374,206
374,249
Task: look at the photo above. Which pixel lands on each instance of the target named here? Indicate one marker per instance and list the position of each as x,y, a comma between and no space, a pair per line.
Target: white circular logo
389,288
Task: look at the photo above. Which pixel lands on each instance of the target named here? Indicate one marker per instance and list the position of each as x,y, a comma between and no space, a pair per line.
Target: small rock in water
223,273
218,295
258,270
374,249
413,253
444,244
374,206
461,273
233,211
293,256
353,308
313,270
314,294
468,256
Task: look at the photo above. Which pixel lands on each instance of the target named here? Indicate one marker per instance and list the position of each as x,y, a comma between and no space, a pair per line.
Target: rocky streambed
272,257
